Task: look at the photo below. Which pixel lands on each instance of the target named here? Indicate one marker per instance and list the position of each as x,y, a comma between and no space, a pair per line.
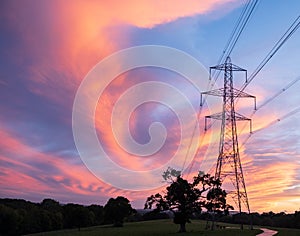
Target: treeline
19,217
282,220
22,217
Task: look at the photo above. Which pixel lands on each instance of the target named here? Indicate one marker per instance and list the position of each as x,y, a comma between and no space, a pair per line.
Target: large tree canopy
116,209
184,198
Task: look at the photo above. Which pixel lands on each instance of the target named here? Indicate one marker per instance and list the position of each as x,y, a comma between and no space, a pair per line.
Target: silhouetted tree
54,210
51,205
116,209
181,197
76,216
216,202
296,220
8,220
98,214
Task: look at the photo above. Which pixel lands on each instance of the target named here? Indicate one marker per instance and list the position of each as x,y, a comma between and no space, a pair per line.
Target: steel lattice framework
229,163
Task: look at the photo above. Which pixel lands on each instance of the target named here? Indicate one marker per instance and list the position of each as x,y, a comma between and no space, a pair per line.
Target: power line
236,33
275,121
191,140
284,89
233,33
266,102
288,34
245,21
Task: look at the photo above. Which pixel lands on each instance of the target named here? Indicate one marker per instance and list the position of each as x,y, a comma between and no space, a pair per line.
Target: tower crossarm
219,116
216,116
235,94
226,65
239,117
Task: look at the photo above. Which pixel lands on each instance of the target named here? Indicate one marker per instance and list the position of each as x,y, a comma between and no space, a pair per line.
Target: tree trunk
207,226
182,228
213,221
251,221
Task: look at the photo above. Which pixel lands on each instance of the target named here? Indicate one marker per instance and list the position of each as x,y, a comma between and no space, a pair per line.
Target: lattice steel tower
229,163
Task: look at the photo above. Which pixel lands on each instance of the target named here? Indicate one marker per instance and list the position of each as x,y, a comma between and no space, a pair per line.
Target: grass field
154,228
165,227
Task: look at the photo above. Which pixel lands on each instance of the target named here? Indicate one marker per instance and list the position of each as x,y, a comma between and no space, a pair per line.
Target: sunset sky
48,47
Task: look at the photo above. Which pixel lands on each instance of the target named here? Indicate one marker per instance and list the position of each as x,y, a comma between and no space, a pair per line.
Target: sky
49,47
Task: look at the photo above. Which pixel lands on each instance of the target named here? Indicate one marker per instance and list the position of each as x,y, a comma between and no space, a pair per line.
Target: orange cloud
72,36
66,39
31,174
25,169
267,186
146,13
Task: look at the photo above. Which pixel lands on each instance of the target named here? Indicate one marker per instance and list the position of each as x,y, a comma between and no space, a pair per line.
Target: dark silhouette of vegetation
116,209
282,219
27,217
76,216
19,217
155,215
96,214
216,202
185,199
8,220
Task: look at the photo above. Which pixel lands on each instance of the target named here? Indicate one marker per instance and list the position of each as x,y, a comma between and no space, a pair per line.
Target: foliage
116,209
96,214
76,216
272,219
19,217
216,203
155,215
170,174
8,220
184,198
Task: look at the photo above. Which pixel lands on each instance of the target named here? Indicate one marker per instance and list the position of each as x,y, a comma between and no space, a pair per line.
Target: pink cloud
62,40
73,36
25,169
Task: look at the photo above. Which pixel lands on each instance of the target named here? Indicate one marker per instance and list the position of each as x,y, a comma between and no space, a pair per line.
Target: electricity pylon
229,163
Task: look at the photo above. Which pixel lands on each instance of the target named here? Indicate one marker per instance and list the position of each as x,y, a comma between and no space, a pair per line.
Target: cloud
78,34
26,170
271,170
48,48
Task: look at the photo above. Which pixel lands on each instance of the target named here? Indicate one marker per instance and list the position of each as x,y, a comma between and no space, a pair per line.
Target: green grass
154,228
